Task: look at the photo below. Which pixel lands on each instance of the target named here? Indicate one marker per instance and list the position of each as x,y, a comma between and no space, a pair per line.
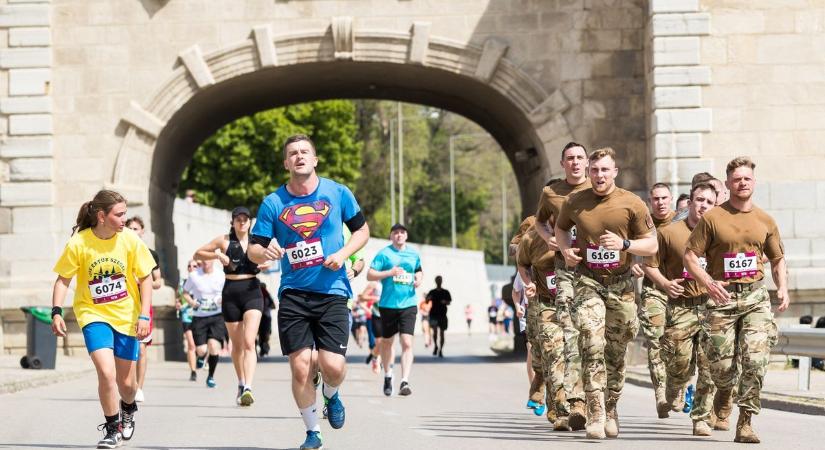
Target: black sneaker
405,389
440,353
112,437
193,376
435,350
369,359
387,386
127,421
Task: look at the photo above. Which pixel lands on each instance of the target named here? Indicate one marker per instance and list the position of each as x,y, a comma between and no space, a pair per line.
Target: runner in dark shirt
439,298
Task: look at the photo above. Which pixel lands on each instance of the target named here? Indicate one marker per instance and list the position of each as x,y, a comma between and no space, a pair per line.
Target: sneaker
316,380
127,422
532,404
435,350
111,437
688,399
334,410
369,358
440,353
210,382
405,389
246,397
139,396
238,397
313,441
199,363
539,410
193,376
387,386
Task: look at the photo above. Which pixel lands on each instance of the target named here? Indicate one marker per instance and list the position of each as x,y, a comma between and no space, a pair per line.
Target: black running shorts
205,328
439,322
311,319
240,296
394,321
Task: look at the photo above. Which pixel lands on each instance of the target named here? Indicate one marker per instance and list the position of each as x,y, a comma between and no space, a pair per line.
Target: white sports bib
739,265
108,289
305,254
404,278
599,257
551,282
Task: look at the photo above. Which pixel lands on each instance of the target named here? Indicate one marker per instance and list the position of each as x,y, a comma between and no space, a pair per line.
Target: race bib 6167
740,265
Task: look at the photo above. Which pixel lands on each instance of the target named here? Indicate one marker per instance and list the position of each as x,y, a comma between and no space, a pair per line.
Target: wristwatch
625,244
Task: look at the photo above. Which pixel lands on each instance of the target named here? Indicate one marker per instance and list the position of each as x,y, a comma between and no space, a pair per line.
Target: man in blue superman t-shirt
302,224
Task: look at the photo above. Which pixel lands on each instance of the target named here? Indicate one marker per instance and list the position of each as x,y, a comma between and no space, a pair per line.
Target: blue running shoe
539,410
334,410
688,399
210,382
532,405
199,363
313,441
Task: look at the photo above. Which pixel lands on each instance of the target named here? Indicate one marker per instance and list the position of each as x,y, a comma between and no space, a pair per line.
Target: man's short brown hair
739,161
657,186
573,145
297,138
601,153
703,186
700,177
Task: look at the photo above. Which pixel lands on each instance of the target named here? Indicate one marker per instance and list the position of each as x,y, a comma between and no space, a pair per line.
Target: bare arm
673,288
716,289
157,279
214,249
779,272
142,327
61,286
570,254
546,232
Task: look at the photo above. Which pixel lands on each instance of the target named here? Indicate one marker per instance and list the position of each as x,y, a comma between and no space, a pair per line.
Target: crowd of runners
702,303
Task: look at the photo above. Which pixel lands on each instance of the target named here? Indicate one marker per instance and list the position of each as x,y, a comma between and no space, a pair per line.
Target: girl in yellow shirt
112,300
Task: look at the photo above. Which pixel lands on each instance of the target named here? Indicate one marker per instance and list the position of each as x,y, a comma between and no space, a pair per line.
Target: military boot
595,415
561,424
662,404
578,416
722,406
611,424
744,431
701,428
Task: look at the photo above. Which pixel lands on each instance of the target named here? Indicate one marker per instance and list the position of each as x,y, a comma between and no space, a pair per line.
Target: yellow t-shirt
107,273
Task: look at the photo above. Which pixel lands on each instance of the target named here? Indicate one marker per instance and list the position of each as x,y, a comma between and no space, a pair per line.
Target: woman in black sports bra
243,301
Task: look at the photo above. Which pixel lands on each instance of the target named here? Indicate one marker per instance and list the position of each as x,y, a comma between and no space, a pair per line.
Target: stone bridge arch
206,91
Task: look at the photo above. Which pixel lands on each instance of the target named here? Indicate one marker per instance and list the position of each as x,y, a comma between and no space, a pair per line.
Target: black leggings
240,296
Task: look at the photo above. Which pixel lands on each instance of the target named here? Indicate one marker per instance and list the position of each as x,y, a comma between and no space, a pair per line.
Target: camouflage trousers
606,319
548,347
533,330
745,326
684,346
573,385
652,312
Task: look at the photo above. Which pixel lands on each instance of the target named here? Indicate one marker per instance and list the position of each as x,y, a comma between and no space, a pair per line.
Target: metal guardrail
805,343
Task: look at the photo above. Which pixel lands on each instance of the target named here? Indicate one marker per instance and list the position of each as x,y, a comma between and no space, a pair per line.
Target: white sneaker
139,396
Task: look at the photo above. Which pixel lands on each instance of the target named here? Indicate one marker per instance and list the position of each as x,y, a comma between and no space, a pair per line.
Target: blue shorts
101,335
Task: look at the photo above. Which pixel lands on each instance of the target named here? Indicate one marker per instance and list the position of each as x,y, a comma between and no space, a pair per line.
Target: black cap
398,226
241,210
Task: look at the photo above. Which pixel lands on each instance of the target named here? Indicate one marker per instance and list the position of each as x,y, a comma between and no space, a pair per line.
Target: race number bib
551,282
573,236
739,265
305,254
703,263
108,289
404,278
600,258
209,304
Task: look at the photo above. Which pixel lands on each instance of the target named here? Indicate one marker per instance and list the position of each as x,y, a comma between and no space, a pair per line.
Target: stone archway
206,91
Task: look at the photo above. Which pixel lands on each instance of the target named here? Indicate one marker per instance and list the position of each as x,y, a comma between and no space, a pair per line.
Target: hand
530,290
674,288
636,270
551,244
274,250
396,271
334,262
717,292
265,265
58,326
221,257
350,274
784,299
519,311
142,329
571,256
416,282
611,241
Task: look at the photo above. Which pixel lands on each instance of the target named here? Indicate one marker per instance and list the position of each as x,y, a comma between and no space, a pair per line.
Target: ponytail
104,200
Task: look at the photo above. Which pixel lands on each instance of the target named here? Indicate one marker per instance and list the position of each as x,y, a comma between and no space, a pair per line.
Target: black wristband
57,311
625,245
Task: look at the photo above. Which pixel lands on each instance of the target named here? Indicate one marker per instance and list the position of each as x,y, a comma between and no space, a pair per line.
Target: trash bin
41,343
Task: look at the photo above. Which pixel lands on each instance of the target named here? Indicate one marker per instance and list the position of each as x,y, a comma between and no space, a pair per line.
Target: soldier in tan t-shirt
683,339
611,224
733,238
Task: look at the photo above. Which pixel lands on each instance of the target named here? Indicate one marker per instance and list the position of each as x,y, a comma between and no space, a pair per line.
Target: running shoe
210,382
111,435
387,386
369,358
313,441
688,399
139,396
246,397
238,397
193,376
316,380
334,410
199,363
404,389
440,353
532,404
539,410
127,422
435,350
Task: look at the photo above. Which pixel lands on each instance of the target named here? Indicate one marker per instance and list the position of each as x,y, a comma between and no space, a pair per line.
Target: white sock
329,391
404,380
388,373
310,416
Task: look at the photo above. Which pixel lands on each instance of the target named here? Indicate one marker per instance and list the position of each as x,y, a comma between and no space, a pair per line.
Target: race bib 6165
599,257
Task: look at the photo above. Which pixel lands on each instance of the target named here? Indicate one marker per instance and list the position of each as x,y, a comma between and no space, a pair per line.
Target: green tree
243,161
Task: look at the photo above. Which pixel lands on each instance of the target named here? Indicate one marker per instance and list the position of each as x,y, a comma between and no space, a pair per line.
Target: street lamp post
452,192
400,164
392,176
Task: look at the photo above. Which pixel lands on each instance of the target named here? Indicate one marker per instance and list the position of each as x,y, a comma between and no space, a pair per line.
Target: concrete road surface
469,400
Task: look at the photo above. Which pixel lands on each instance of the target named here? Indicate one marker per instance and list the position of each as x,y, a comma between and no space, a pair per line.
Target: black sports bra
239,263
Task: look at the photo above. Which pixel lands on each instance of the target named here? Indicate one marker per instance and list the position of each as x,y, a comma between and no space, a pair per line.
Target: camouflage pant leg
705,389
682,352
652,319
747,323
552,349
536,392
621,327
588,314
564,286
573,387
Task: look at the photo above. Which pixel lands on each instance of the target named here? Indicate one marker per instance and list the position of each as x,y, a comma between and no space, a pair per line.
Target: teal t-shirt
397,292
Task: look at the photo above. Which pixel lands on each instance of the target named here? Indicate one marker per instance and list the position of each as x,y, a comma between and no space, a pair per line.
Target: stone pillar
675,79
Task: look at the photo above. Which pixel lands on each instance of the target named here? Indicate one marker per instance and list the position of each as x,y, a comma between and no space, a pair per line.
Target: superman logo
306,218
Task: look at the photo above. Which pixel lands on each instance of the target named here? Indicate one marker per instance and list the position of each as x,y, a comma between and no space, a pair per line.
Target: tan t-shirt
621,212
734,242
670,257
553,197
525,226
534,253
659,223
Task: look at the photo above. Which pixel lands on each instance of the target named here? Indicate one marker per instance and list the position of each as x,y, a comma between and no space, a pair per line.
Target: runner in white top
202,291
